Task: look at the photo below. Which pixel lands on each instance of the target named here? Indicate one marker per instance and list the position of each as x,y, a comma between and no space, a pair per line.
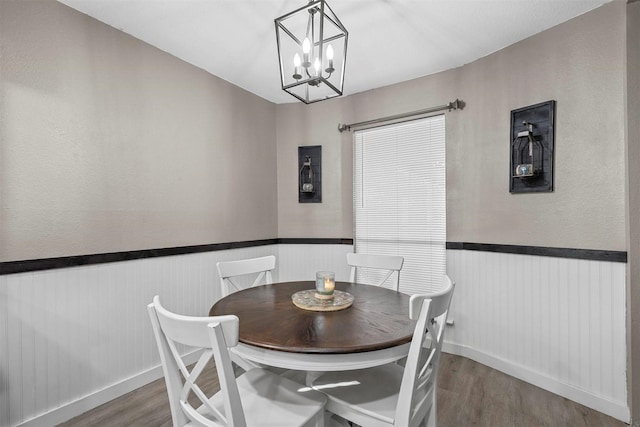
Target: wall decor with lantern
532,141
309,174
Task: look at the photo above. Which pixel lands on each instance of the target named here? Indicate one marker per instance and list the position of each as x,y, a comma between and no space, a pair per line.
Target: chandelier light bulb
330,68
330,53
306,48
316,65
296,67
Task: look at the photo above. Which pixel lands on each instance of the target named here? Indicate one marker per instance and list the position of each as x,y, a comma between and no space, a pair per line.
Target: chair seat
372,392
260,389
396,394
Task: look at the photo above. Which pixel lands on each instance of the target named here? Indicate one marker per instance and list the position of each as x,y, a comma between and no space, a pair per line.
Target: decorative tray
307,300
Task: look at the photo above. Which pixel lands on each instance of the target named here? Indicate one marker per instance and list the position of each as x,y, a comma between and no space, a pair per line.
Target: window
400,200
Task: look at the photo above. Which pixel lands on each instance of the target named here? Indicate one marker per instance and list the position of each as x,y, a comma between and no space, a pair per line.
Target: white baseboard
598,403
80,406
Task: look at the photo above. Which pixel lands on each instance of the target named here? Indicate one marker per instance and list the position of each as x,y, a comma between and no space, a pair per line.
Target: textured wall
633,171
109,144
580,64
315,124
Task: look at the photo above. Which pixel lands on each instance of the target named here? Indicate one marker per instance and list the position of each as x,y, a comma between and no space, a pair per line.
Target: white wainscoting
300,262
554,322
72,339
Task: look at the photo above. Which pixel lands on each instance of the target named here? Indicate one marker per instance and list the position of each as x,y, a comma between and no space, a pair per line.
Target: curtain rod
454,105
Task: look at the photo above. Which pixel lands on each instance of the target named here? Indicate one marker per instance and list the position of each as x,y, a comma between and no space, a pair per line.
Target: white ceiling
390,41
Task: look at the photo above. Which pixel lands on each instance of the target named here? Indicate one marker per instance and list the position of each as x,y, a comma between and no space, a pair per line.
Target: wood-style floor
469,394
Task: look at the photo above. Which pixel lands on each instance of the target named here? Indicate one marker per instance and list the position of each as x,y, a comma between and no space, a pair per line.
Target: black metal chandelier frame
309,73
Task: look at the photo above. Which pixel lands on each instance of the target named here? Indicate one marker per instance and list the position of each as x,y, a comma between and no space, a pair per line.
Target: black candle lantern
532,146
309,174
527,152
306,176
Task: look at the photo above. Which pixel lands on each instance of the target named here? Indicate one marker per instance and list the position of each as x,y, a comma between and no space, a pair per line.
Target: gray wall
316,124
111,145
580,64
633,171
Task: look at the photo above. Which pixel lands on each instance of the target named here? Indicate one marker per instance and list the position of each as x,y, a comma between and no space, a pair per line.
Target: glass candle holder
325,284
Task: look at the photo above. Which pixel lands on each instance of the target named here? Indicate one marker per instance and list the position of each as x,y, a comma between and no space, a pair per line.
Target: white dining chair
384,266
237,275
392,394
256,398
231,272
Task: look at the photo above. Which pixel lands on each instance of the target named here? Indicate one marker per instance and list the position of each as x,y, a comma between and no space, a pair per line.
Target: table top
378,319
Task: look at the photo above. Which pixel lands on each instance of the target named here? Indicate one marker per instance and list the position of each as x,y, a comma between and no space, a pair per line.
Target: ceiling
390,41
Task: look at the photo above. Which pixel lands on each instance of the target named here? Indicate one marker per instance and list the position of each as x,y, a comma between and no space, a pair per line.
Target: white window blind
400,200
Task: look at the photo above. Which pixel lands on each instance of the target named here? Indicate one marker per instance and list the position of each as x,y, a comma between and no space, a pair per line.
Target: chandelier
312,51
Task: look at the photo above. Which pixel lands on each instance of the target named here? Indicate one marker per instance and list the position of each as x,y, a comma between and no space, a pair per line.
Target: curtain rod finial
457,104
342,128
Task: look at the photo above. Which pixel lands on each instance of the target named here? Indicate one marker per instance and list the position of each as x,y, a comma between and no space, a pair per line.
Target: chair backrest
418,386
388,264
213,335
228,270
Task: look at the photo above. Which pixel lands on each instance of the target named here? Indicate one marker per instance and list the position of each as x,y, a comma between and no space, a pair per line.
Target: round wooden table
375,330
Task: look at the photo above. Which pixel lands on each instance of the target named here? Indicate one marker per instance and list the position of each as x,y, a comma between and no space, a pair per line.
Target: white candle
325,284
296,66
316,66
329,285
330,58
306,49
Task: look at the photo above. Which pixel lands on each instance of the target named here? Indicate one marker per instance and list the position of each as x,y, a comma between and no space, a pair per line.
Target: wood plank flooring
469,394
472,394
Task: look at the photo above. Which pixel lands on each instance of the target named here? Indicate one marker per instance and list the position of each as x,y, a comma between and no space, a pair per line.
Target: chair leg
431,418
